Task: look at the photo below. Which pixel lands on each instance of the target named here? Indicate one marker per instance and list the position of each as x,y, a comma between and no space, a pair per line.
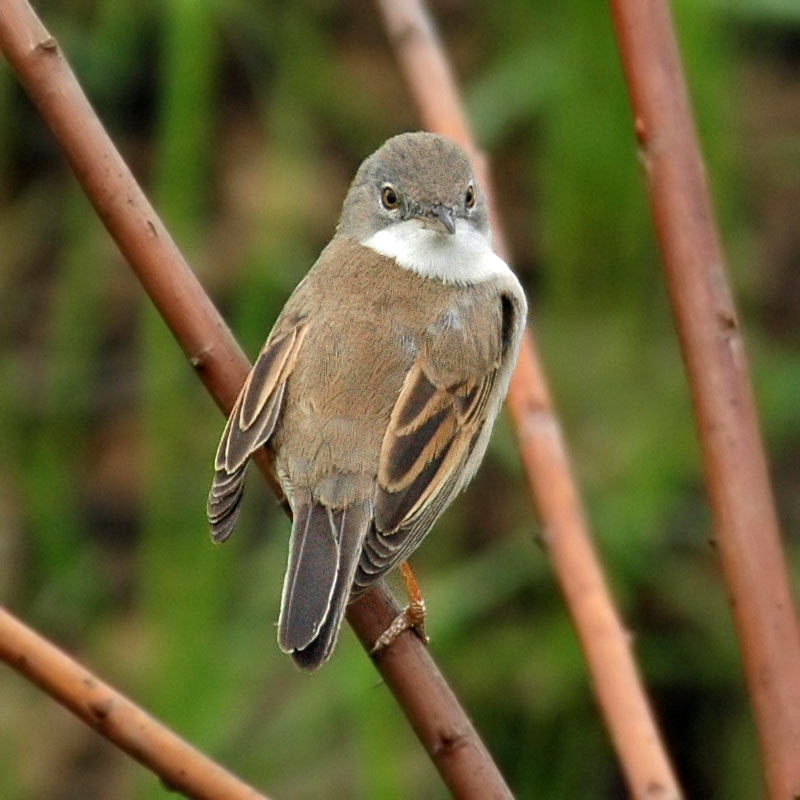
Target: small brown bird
377,389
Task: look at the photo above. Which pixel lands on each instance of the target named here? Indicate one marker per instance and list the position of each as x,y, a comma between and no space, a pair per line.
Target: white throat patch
465,256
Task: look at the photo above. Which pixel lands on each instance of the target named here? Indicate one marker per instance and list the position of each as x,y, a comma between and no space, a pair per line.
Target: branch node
47,45
727,320
450,742
641,130
418,28
543,536
657,791
101,708
198,360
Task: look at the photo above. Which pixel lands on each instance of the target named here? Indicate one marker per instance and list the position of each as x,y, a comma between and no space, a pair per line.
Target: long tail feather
323,557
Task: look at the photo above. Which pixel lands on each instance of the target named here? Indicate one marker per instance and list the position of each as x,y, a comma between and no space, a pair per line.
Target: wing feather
250,424
429,437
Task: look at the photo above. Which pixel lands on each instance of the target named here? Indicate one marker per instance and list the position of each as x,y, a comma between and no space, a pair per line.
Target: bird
377,389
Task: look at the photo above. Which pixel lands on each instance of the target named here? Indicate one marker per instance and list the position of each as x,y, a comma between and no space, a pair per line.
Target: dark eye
389,197
469,198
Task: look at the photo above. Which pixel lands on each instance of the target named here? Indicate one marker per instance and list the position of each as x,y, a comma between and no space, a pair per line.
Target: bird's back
340,395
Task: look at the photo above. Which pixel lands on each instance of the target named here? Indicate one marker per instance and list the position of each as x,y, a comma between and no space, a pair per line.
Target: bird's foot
412,617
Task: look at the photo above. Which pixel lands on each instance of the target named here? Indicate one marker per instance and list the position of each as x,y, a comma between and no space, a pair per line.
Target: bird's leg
411,617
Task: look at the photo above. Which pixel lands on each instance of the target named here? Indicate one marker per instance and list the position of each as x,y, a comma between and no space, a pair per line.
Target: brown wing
430,435
250,425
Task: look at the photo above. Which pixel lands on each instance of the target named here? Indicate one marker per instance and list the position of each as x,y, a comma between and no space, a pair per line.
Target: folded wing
431,434
250,424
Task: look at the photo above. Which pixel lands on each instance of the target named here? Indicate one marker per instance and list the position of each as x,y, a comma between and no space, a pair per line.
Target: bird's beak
444,218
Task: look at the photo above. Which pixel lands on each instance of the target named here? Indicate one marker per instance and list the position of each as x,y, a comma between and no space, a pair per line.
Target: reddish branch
604,641
747,535
180,766
428,702
406,667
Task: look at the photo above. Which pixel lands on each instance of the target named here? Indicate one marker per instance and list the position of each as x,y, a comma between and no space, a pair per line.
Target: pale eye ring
389,197
469,197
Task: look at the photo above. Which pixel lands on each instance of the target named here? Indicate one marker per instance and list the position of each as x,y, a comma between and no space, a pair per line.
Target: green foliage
244,122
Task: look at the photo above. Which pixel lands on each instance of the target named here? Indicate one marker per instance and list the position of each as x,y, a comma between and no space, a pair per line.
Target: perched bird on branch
377,389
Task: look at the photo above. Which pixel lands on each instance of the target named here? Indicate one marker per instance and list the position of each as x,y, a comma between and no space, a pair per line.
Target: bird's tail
323,555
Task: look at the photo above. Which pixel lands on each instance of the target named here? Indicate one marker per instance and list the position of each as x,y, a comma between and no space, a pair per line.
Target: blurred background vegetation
245,122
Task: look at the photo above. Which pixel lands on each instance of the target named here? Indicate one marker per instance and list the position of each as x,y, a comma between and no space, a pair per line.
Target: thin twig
605,643
747,535
178,764
407,667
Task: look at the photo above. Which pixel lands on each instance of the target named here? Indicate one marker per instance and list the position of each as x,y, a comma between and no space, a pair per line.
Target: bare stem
747,533
407,667
178,764
605,643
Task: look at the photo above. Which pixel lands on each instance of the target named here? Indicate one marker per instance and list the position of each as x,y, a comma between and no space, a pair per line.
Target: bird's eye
389,197
469,198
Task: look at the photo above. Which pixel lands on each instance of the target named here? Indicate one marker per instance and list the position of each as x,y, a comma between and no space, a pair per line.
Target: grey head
420,176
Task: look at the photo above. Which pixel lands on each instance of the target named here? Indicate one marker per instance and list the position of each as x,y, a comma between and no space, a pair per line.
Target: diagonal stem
407,667
177,763
747,535
605,643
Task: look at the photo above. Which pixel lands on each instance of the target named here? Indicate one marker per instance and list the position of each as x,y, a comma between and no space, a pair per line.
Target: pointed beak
444,216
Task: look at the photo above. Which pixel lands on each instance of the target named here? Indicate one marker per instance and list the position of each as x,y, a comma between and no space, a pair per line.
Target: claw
412,617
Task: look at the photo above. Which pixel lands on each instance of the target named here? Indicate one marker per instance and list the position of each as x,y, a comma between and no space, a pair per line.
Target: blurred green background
245,122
